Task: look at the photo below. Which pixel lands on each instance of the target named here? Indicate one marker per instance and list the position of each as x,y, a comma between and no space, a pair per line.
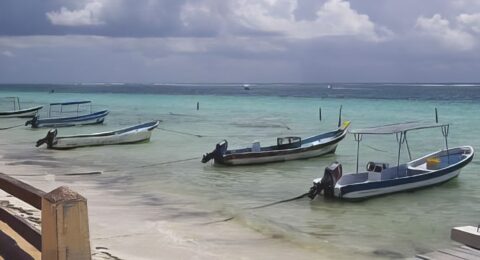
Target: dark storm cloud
243,41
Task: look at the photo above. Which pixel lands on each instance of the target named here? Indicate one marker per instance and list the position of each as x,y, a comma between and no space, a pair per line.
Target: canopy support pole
358,138
408,148
340,117
445,130
400,140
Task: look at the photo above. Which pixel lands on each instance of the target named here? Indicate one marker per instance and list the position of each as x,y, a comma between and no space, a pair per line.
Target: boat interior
284,143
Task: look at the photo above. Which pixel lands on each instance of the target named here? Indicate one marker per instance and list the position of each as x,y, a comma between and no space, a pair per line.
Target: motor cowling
330,177
32,122
216,154
49,139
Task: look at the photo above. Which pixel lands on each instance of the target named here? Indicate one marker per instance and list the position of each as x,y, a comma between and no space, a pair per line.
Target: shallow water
398,225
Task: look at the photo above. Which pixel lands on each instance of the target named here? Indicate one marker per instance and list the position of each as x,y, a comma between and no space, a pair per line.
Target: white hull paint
129,137
28,113
397,188
72,123
284,157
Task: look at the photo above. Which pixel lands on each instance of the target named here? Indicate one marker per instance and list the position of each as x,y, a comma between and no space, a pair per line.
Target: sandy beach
123,228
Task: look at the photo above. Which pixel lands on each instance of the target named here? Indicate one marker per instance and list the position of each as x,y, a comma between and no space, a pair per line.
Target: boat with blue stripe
287,148
379,178
64,121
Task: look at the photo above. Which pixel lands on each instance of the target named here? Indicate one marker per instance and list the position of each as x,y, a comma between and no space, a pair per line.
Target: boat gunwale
73,118
15,112
149,126
229,157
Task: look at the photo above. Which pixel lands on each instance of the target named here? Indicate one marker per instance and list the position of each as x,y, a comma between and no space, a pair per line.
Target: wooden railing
64,222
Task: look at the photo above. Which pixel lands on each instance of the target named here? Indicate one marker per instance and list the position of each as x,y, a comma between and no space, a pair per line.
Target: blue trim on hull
401,181
71,121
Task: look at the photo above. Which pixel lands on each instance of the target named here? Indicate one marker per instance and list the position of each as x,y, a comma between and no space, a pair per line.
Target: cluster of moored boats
378,178
133,134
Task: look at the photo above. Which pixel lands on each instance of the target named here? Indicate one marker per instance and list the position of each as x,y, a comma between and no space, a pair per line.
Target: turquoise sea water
391,226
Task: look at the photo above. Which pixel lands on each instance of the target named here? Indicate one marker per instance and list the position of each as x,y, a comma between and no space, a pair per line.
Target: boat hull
285,156
134,134
426,179
23,113
356,195
90,119
127,138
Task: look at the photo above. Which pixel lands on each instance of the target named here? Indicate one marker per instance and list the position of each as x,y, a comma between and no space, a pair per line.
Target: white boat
18,111
129,135
287,148
380,178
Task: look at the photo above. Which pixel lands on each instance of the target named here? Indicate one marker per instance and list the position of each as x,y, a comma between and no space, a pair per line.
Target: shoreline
136,235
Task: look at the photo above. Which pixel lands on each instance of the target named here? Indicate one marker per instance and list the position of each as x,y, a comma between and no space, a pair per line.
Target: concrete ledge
467,235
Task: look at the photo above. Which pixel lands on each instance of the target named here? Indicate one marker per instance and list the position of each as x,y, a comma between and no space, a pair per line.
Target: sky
215,41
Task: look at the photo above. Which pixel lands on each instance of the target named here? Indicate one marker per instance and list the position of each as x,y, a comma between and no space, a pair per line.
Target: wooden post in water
65,232
198,105
320,113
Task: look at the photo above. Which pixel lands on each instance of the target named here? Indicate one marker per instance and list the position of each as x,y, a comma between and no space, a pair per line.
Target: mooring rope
278,202
169,162
179,132
10,127
376,149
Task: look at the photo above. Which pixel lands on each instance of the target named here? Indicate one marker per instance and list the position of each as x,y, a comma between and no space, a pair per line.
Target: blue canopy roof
71,103
396,128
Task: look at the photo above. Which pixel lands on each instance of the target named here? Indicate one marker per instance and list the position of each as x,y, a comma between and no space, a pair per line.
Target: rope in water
281,201
10,127
376,149
169,162
179,132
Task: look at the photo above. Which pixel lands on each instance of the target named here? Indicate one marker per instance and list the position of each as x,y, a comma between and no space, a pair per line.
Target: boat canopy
78,103
16,102
400,130
397,128
71,103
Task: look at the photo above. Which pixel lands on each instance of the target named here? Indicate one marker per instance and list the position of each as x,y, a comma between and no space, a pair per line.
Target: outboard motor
49,139
330,177
32,122
216,154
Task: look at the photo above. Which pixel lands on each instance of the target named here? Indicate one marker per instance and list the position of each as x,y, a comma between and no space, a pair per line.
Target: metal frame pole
399,140
408,148
358,138
445,130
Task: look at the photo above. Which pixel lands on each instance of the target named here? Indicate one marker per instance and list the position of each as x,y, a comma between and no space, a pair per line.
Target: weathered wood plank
467,235
458,254
22,227
21,190
13,246
65,233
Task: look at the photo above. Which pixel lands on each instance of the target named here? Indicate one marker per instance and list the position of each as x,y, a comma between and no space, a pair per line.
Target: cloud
7,53
471,21
333,18
439,29
88,16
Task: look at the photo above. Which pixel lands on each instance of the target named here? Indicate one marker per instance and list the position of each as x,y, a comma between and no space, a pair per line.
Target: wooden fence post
65,225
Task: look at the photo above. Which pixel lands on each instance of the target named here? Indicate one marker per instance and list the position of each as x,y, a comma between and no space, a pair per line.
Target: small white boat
129,135
287,148
380,178
18,112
